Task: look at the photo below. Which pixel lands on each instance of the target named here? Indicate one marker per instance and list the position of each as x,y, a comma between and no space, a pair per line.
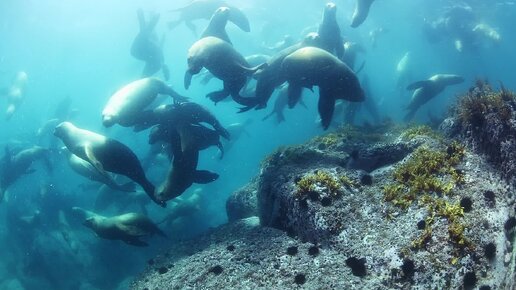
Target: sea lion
226,64
361,11
270,77
15,93
217,25
126,104
203,9
105,154
183,112
182,207
287,41
13,165
280,104
183,173
129,228
236,130
85,169
311,66
253,60
330,38
425,90
403,73
147,48
351,51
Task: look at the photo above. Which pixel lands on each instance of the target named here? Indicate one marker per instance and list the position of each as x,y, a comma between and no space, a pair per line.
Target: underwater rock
242,203
409,224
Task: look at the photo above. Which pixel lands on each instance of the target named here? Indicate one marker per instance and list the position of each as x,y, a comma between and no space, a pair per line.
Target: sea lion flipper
419,84
217,96
294,94
187,81
204,176
326,106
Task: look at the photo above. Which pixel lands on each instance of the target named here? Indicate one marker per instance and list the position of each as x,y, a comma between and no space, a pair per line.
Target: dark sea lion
217,25
270,77
330,38
146,47
15,93
183,173
105,154
183,112
351,51
203,9
311,66
126,104
425,90
13,165
129,228
225,63
361,11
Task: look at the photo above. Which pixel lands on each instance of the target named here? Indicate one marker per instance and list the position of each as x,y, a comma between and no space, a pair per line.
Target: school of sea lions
322,59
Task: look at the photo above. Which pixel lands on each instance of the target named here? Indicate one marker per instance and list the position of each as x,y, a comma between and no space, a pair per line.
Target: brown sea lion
311,66
105,154
225,63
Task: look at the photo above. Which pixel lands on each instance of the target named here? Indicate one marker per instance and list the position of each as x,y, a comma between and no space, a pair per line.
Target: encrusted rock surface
326,224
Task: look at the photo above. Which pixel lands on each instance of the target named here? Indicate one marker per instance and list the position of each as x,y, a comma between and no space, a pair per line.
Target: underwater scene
257,144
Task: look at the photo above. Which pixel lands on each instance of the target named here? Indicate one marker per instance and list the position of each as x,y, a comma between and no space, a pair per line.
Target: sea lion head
62,129
330,10
108,120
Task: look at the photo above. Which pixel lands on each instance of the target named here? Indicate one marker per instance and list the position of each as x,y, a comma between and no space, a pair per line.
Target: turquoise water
80,50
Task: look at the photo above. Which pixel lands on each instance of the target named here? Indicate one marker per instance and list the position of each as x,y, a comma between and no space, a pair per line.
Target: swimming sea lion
182,207
225,63
280,104
425,90
403,73
129,228
183,173
183,112
311,66
203,9
84,168
361,11
330,38
126,104
105,154
14,165
15,93
217,25
147,48
270,77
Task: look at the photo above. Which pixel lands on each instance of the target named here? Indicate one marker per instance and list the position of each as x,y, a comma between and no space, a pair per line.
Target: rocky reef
391,208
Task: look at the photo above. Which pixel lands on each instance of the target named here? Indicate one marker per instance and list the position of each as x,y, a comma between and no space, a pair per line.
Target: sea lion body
425,90
225,63
129,228
105,154
204,9
361,11
13,166
85,169
183,173
270,77
146,47
125,105
217,25
311,66
15,93
330,38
